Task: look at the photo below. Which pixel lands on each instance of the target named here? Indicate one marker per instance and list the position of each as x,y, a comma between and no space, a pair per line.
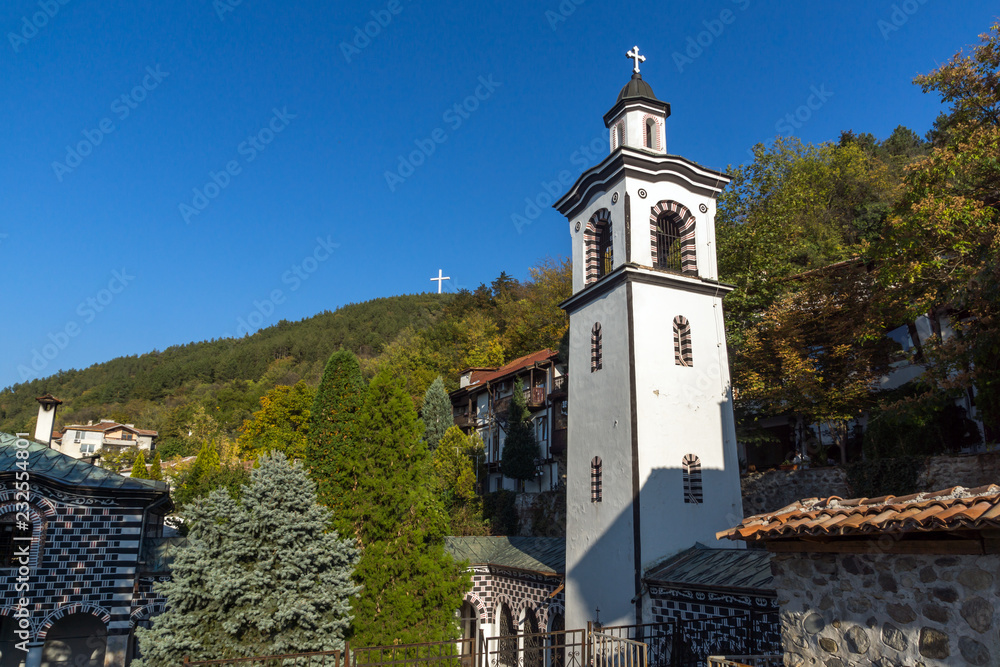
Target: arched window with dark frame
620,134
672,233
596,492
691,471
596,353
650,133
683,350
598,246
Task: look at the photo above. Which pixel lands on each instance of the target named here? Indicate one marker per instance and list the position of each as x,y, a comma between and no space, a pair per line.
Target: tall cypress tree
520,448
155,468
436,413
139,470
412,587
332,430
258,576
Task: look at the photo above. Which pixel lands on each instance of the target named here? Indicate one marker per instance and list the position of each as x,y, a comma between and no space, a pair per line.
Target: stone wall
773,489
970,471
847,610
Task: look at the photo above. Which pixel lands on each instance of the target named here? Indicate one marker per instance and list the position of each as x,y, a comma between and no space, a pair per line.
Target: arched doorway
557,641
77,640
471,634
9,655
534,655
507,654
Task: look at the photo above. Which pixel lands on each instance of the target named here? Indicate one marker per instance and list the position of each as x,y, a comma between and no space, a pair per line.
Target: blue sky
184,170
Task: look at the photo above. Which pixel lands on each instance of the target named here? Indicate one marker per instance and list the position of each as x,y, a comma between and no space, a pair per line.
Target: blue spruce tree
258,576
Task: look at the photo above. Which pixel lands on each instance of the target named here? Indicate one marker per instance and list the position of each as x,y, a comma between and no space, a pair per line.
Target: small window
595,479
691,466
126,436
683,353
650,132
620,134
596,353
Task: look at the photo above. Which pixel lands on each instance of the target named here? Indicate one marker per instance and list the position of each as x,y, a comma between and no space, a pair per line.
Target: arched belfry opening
672,235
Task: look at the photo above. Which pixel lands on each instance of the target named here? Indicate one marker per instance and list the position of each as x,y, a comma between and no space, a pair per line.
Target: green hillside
207,389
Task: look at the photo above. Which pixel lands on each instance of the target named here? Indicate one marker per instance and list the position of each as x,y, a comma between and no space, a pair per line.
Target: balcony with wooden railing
560,386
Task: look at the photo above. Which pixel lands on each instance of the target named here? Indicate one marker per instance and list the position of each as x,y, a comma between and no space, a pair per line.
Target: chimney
47,405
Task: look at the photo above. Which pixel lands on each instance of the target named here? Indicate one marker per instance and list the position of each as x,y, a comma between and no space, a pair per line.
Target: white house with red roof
79,440
481,402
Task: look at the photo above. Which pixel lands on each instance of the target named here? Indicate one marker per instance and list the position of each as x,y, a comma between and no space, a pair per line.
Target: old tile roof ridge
948,509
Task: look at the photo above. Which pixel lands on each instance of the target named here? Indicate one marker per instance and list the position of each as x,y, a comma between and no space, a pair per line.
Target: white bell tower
652,463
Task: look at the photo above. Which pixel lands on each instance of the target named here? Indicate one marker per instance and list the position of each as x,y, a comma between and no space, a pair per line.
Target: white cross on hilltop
440,279
634,55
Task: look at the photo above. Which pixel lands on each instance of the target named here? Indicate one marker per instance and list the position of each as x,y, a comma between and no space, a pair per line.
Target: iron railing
695,643
607,650
745,661
311,659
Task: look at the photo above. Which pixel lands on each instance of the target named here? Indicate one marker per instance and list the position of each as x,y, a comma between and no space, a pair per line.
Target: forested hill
273,354
220,382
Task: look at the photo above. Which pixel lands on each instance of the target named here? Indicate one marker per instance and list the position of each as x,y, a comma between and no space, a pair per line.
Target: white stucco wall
683,410
599,536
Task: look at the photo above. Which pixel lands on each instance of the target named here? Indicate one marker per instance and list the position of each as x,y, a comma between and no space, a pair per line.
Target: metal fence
313,659
607,650
745,661
694,643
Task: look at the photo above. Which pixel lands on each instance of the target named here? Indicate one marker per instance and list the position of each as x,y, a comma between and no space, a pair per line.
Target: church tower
652,462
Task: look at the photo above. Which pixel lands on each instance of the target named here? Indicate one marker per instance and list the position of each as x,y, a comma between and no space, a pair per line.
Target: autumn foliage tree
941,247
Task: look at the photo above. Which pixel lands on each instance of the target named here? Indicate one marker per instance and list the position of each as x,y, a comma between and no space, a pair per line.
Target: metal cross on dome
634,55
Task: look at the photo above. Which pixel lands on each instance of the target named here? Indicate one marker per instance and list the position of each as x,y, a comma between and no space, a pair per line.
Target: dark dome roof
636,87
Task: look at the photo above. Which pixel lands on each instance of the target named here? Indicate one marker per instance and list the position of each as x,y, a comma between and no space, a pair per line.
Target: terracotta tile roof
107,426
956,508
483,375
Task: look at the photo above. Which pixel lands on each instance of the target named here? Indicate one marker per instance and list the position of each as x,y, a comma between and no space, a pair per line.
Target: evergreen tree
139,467
208,474
520,448
436,413
155,469
257,576
412,587
331,430
455,474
